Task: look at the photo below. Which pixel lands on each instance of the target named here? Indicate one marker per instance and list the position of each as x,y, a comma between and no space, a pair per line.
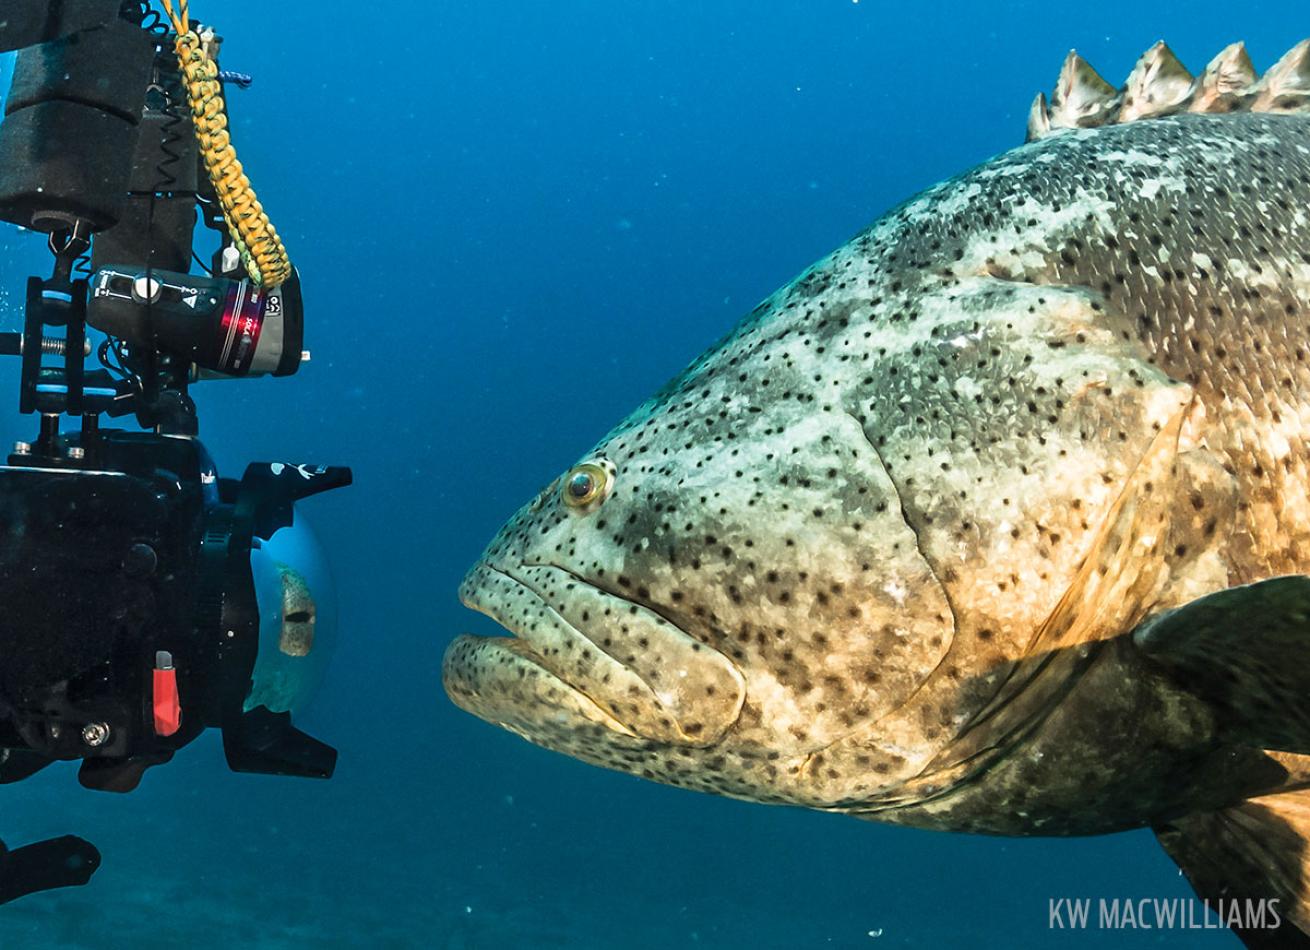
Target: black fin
1244,858
1244,650
68,861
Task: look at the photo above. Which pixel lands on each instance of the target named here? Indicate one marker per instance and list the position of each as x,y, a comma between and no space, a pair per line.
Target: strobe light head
228,327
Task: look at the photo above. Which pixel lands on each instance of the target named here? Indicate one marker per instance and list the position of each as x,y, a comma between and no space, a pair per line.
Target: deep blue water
514,221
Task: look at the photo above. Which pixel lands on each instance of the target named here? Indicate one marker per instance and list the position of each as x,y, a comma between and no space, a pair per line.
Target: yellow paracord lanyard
253,234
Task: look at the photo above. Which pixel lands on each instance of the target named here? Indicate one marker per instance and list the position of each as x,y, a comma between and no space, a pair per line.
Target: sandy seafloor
514,222
237,863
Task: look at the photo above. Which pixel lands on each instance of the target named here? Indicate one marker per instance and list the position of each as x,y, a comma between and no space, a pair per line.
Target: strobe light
228,327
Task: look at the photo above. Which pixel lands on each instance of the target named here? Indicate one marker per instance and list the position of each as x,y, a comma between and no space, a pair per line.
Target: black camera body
114,552
101,565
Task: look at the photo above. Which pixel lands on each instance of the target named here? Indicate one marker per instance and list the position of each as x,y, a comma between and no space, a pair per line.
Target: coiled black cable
171,135
143,14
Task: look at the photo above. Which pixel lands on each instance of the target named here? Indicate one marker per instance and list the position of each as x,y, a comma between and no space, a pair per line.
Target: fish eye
586,485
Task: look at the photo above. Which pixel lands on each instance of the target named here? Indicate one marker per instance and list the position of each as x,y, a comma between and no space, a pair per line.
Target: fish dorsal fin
1242,650
1158,85
1039,118
1081,98
1161,85
1226,84
1286,87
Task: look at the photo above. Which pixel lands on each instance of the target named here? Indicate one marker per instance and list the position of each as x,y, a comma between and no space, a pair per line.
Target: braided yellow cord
253,234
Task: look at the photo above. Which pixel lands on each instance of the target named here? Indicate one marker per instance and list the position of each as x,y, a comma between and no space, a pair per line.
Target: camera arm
98,140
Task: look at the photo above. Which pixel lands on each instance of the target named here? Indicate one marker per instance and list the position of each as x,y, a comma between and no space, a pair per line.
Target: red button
168,709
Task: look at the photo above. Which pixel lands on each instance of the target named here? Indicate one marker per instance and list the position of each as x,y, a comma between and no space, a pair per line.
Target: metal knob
146,289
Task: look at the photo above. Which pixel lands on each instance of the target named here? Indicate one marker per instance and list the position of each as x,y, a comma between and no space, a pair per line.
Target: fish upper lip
493,710
486,611
525,647
667,705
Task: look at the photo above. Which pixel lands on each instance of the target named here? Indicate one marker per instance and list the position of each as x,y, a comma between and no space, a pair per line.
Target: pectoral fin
1250,862
1246,651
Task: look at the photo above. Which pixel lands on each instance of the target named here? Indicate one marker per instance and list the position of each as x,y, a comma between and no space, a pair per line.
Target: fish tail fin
1245,858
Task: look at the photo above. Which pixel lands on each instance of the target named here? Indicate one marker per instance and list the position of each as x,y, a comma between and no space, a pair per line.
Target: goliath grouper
995,520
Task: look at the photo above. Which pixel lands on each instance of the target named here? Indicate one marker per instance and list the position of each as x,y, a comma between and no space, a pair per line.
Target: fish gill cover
515,223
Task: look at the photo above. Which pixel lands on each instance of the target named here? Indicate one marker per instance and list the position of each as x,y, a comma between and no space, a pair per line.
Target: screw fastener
95,734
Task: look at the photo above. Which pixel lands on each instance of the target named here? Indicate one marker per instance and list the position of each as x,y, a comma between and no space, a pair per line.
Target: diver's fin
1244,858
1244,650
67,861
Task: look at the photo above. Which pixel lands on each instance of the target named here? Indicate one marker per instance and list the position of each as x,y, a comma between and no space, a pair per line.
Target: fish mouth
503,681
581,657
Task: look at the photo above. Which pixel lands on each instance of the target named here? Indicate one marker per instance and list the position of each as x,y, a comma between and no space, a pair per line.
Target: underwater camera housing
150,600
145,598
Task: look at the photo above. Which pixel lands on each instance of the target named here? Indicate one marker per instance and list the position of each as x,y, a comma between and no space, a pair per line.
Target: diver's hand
67,861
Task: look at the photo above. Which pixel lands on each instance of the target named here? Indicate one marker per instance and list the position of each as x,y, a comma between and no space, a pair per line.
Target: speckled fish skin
874,552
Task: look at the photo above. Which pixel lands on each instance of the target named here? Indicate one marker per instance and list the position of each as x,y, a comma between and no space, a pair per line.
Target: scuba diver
146,598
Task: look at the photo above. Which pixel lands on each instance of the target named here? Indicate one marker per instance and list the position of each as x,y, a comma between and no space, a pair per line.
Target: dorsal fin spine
1160,85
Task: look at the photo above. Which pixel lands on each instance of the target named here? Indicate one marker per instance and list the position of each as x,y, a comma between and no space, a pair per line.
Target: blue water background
515,221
